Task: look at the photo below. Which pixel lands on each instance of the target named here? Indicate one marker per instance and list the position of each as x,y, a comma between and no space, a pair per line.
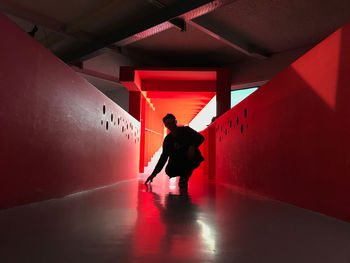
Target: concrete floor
128,222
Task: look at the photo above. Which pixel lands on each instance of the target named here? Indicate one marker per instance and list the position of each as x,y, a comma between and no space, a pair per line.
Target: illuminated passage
129,222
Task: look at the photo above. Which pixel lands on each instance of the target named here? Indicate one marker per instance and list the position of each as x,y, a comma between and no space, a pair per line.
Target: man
181,147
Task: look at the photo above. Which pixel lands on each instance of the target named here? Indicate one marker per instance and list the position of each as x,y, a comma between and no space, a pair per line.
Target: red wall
294,144
153,133
206,170
201,174
53,134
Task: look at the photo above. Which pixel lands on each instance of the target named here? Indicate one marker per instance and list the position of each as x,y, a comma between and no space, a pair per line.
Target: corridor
129,222
84,89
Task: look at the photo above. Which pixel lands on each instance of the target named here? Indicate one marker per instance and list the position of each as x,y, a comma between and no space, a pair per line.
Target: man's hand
150,178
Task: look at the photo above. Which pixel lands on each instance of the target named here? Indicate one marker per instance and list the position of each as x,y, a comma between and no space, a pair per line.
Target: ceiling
174,74
183,92
255,38
211,29
184,105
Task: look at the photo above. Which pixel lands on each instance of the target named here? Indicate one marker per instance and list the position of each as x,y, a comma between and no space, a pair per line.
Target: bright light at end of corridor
204,117
238,95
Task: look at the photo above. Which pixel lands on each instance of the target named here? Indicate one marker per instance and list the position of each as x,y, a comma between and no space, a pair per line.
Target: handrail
153,132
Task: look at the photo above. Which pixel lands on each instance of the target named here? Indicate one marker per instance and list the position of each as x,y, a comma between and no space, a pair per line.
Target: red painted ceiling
176,74
184,105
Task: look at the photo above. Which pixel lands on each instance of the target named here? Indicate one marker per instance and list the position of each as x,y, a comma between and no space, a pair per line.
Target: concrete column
142,133
135,104
223,91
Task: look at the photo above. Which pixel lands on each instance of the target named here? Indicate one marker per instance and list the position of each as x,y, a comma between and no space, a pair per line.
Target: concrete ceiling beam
144,27
228,38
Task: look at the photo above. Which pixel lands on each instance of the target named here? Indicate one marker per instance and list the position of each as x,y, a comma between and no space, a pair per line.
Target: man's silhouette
181,147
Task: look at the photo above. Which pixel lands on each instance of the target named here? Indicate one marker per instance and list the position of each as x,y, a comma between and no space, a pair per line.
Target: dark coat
175,147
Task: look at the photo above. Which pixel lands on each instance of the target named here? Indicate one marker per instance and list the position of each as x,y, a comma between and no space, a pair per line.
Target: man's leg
183,182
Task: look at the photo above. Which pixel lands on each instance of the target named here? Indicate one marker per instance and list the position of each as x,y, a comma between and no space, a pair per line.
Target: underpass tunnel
274,187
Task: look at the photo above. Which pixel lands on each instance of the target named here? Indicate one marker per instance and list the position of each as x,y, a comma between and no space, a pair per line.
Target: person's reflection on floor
179,215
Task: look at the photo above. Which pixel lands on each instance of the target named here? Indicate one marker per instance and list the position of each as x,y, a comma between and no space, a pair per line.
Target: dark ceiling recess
180,23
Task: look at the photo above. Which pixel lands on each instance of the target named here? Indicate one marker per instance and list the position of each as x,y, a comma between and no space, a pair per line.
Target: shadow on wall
296,146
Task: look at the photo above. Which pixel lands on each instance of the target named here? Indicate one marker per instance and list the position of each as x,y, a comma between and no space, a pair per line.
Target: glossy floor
128,222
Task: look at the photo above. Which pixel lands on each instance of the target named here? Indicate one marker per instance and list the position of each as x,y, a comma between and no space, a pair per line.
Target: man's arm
160,164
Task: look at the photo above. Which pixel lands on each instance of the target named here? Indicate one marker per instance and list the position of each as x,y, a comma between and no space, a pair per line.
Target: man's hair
168,116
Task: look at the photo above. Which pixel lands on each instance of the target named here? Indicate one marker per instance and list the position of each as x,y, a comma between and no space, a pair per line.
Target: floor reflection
169,225
129,222
179,215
